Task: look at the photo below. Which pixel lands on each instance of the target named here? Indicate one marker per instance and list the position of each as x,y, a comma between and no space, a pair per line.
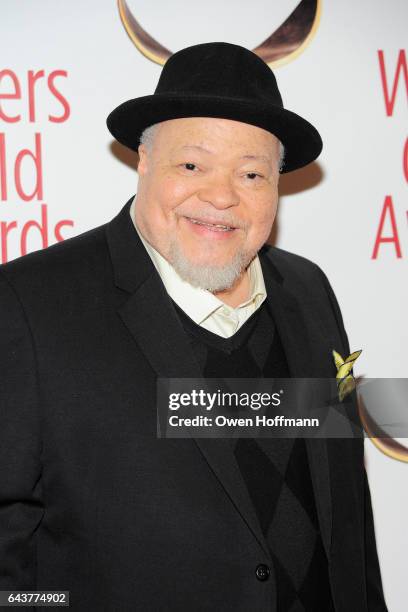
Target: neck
236,294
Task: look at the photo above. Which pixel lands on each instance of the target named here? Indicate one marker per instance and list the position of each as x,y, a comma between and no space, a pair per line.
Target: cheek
262,215
163,196
171,192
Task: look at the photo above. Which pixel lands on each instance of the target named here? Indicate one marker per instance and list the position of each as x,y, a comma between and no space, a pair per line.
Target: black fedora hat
222,80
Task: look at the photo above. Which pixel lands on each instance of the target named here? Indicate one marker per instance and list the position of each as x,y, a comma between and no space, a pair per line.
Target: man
179,284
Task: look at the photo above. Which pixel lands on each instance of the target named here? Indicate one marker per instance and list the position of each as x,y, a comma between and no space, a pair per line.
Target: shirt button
262,572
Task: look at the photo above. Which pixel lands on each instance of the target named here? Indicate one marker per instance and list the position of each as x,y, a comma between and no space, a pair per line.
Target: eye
189,166
252,175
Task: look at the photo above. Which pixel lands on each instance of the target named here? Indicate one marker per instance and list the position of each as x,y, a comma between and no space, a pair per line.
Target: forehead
213,135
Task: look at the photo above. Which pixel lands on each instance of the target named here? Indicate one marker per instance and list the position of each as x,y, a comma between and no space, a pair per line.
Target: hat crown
219,69
224,81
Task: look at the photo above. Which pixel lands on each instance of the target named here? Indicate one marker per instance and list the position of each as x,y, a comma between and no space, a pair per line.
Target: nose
219,191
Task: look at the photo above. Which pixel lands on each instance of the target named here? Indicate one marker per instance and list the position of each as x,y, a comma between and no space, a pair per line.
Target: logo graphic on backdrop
393,215
282,46
27,219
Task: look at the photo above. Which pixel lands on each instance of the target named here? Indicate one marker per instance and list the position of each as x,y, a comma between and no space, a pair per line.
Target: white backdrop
329,212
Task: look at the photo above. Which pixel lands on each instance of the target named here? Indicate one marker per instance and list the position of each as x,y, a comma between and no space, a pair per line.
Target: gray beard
212,278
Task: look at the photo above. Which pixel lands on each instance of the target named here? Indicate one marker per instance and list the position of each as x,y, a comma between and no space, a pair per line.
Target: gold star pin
345,380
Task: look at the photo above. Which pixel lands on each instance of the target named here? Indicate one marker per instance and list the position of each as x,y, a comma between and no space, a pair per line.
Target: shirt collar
198,303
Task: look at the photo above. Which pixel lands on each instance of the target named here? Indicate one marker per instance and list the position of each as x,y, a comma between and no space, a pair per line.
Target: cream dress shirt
202,306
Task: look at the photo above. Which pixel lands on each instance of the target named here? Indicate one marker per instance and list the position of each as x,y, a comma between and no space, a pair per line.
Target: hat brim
300,138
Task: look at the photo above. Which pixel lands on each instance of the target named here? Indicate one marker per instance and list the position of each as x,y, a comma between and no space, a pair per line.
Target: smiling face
201,173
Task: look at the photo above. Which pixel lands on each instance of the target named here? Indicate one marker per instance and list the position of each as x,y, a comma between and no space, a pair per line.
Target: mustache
205,214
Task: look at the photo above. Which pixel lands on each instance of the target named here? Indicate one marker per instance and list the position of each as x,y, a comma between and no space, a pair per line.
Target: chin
213,274
202,260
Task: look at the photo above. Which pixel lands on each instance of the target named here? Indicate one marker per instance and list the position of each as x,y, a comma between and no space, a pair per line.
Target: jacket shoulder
293,266
308,281
70,258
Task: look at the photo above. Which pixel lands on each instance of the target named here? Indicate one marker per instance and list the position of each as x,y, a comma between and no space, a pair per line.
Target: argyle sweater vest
275,471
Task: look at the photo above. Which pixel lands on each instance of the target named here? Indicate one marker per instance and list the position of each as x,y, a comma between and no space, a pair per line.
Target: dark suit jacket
91,501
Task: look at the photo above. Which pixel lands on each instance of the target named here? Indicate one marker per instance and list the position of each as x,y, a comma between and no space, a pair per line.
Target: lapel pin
345,380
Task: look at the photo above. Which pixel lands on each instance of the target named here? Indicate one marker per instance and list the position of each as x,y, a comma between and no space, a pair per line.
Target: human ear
143,159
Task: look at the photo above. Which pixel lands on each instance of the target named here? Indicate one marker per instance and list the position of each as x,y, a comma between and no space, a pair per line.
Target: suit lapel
149,316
